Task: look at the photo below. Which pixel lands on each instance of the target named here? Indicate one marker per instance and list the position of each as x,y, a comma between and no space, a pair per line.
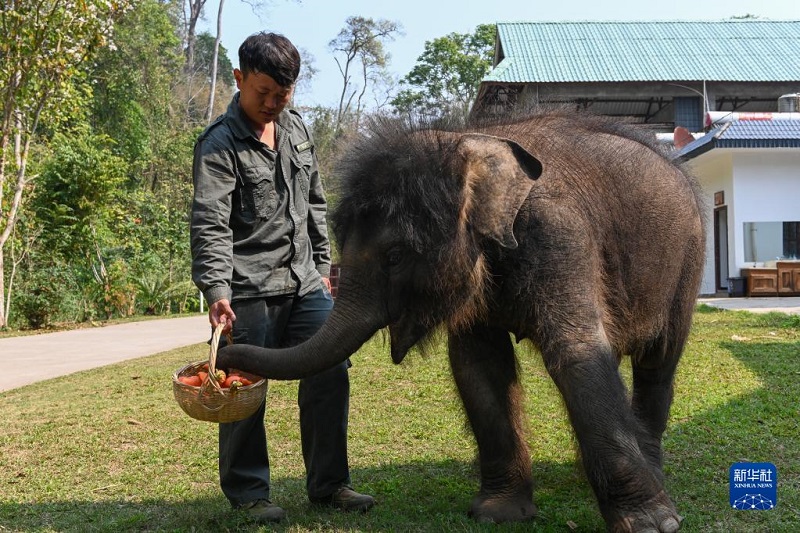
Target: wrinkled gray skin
561,230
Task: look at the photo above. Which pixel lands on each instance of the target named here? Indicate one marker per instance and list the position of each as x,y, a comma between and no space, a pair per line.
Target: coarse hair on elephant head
442,199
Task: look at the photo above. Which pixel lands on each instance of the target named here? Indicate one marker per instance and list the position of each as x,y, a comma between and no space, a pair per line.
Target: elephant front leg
485,370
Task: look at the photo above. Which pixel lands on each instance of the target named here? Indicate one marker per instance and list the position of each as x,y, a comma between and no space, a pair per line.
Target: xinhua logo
753,486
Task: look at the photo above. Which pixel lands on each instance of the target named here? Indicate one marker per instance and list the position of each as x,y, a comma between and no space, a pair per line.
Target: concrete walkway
31,358
35,357
781,304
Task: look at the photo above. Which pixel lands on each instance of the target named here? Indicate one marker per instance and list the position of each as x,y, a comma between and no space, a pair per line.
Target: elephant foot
494,509
657,515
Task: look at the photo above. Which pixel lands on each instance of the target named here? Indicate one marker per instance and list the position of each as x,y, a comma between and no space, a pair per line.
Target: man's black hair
271,54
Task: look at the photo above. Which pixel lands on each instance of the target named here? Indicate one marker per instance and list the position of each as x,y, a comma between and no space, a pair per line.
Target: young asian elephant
567,230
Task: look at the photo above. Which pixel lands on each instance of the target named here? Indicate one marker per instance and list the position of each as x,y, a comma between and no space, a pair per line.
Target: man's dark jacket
258,223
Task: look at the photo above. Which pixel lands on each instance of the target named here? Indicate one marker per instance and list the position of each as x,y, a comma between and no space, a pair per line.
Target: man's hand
327,283
220,312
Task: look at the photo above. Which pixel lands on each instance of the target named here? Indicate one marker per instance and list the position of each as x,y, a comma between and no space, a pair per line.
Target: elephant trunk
346,329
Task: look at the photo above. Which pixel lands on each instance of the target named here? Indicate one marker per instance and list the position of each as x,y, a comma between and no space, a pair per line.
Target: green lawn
110,450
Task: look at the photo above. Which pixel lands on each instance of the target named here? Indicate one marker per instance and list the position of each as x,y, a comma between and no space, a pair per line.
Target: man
261,256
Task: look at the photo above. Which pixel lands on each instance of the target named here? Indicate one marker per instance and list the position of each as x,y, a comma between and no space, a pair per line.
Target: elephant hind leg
629,491
485,370
654,374
651,400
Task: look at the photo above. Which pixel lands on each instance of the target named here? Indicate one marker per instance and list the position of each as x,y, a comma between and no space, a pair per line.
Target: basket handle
212,359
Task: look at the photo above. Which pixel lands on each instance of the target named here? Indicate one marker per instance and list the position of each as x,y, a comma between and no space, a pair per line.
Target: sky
312,24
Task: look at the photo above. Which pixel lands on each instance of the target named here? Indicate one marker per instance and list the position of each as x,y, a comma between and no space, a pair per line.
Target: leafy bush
41,294
157,295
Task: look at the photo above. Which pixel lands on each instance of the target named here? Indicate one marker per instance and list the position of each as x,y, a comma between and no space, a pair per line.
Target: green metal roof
733,50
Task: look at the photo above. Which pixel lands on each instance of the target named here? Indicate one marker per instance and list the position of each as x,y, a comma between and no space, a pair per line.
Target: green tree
134,84
361,42
447,75
79,195
308,70
77,204
43,43
322,123
151,221
211,59
204,56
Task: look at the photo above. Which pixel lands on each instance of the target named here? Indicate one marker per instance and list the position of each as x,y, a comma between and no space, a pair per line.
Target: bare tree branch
362,39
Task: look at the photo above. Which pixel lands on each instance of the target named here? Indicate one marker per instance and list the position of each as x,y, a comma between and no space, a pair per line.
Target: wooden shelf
761,281
788,277
783,280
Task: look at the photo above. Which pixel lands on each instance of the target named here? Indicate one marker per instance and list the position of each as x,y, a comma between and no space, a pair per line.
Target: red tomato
194,381
230,379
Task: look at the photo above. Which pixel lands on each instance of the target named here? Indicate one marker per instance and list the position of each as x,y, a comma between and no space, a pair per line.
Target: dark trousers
323,399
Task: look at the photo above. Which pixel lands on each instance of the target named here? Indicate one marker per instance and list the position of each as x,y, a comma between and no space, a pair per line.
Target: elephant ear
497,177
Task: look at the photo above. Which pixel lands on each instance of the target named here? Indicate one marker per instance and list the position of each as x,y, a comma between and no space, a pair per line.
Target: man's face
261,98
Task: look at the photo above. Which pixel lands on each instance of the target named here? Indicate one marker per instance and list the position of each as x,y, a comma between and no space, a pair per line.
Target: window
791,240
768,241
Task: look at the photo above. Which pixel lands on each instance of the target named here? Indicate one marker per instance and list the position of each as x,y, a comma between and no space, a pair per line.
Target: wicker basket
210,402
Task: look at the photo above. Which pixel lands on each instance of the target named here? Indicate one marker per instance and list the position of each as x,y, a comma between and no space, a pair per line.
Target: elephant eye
394,257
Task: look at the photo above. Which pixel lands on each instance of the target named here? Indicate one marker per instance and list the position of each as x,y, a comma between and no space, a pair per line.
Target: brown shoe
263,511
347,499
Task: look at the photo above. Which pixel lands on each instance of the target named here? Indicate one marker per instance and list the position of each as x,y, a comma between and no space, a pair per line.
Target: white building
665,75
750,173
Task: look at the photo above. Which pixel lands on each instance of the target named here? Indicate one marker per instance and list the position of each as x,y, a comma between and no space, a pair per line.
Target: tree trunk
345,72
213,89
359,103
3,147
3,314
195,10
21,157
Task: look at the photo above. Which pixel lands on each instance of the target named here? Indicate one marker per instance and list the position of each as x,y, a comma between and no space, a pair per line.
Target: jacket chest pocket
301,167
259,198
